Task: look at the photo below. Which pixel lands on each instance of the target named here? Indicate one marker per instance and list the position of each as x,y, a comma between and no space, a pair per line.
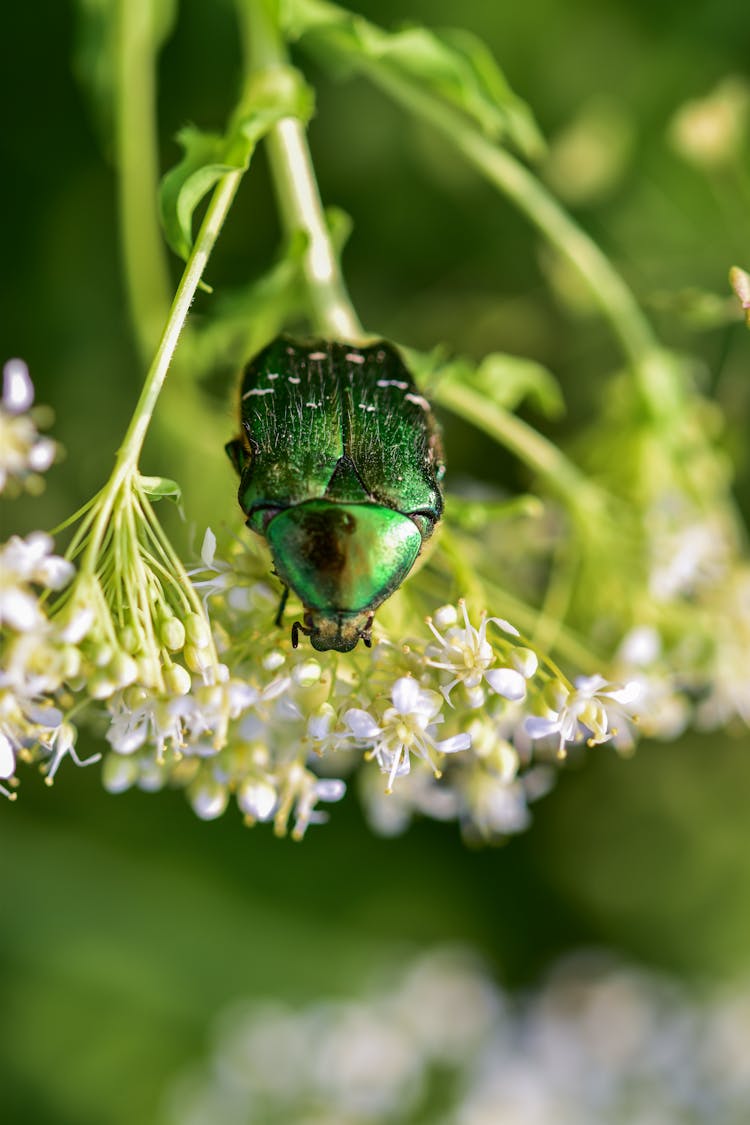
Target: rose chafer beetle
340,465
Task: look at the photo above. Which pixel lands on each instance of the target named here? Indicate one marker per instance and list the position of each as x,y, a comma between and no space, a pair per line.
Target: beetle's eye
425,521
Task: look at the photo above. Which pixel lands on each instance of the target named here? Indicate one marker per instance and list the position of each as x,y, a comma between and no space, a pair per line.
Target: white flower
241,592
210,708
299,791
61,743
26,561
257,799
468,656
23,452
405,729
139,716
7,763
596,710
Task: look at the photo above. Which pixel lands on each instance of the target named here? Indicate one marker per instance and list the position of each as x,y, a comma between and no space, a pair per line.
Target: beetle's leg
297,628
307,629
282,606
367,631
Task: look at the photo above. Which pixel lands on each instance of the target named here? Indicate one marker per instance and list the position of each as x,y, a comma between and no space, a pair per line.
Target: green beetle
340,465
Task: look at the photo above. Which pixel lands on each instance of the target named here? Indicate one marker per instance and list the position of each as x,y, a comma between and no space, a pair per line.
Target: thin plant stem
331,310
542,456
145,265
129,452
612,295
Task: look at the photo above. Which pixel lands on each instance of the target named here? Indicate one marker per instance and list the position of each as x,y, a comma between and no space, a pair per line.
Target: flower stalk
331,311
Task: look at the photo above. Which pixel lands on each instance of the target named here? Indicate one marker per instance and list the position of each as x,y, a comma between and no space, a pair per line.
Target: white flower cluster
40,657
462,720
448,720
24,453
599,1043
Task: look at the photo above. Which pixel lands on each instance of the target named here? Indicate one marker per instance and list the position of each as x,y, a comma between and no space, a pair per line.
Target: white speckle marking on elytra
293,379
318,355
354,357
418,401
393,383
369,409
258,391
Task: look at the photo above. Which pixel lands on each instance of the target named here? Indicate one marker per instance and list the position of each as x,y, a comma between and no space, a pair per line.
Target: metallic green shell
338,452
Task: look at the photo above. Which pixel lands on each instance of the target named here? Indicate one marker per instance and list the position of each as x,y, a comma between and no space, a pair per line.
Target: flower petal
454,744
506,682
18,389
538,727
208,548
405,695
7,757
361,723
330,789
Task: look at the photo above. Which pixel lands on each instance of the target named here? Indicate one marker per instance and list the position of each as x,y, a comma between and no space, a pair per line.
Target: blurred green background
126,922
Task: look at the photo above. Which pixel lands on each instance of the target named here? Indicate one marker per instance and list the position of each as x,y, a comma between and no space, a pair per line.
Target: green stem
145,266
129,452
331,310
218,208
612,295
542,456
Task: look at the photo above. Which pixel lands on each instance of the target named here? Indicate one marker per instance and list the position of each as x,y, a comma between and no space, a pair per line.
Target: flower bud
119,773
257,799
445,616
197,630
123,669
273,660
149,671
130,639
172,634
554,695
525,661
70,662
101,655
208,798
177,680
306,674
475,697
197,660
134,697
101,686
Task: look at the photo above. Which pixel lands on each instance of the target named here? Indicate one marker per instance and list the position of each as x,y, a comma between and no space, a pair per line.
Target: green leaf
269,96
188,182
505,380
454,65
474,513
161,488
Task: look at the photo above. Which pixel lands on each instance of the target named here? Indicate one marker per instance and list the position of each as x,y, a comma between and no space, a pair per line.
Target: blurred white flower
595,711
23,452
596,1043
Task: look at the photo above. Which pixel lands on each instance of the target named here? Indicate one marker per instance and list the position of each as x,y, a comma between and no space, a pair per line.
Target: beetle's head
337,631
342,561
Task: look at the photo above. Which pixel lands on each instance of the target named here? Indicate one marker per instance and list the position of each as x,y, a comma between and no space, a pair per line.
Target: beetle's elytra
340,465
